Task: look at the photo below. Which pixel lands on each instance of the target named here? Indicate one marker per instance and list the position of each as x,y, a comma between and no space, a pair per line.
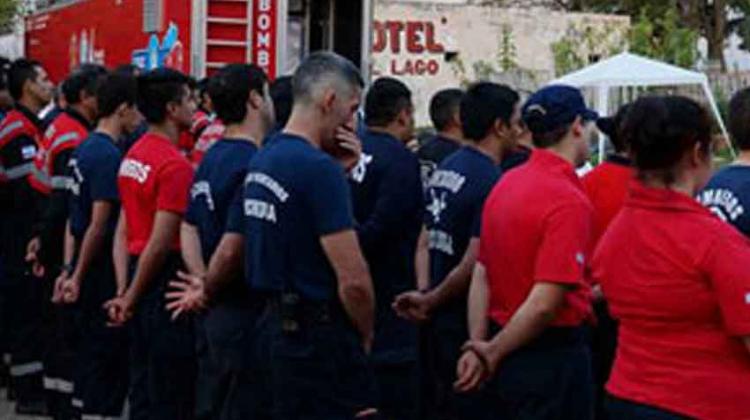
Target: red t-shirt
678,280
211,134
153,177
607,187
536,227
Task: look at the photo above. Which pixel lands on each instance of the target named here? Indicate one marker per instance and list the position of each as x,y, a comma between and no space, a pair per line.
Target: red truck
197,36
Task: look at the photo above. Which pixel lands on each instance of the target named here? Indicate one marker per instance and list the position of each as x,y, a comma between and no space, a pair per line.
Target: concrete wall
428,43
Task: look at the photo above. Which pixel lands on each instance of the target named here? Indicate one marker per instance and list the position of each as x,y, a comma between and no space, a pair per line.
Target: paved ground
7,412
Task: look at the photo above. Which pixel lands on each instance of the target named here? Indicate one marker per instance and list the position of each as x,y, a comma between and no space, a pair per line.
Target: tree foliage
664,38
9,12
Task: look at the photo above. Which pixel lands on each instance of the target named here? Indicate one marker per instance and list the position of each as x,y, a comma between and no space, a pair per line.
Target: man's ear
255,100
577,128
172,108
698,155
499,127
403,117
328,100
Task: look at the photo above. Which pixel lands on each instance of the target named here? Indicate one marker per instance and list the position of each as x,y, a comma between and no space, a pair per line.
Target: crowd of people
241,248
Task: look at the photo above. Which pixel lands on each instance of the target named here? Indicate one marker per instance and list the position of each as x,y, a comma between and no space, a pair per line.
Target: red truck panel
104,31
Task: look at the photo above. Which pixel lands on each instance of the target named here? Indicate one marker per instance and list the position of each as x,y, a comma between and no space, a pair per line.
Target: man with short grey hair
302,252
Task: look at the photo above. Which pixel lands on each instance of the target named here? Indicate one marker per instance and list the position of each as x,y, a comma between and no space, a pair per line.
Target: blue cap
554,106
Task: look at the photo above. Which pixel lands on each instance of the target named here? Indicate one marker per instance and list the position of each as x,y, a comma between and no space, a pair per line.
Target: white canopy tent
630,70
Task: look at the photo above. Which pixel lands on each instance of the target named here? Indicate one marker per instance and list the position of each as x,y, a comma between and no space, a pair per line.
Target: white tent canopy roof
630,70
626,69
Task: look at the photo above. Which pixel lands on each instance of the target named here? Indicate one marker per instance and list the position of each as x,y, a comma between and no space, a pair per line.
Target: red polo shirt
536,227
607,186
154,176
678,280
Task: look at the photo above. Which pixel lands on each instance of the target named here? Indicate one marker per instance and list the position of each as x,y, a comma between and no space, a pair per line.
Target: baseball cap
554,106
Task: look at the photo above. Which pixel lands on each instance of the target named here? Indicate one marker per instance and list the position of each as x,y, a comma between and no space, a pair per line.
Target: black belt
296,312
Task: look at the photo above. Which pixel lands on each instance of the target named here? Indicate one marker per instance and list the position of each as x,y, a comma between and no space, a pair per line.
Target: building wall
437,44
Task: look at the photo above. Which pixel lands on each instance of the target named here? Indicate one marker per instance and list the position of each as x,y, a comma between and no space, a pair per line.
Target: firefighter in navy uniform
20,138
444,113
490,116
302,251
101,362
388,204
228,384
50,248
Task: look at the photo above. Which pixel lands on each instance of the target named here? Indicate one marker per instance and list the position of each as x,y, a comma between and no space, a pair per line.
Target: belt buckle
289,326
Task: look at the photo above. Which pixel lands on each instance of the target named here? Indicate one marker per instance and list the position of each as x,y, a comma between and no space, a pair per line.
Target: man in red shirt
529,293
154,182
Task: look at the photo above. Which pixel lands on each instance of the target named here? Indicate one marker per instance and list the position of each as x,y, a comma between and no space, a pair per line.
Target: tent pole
715,110
602,107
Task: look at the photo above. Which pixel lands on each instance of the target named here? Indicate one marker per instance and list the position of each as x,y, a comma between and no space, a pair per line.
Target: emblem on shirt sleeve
360,170
437,205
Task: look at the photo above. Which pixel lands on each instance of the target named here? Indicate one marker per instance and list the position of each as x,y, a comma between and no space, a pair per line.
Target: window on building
153,12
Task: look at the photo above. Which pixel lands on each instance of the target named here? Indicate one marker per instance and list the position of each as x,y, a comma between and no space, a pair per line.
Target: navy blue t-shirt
217,180
294,194
94,166
387,195
728,196
455,196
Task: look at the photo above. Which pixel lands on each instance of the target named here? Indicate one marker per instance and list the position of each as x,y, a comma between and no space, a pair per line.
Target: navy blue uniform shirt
294,194
94,166
387,195
217,180
433,152
728,196
455,196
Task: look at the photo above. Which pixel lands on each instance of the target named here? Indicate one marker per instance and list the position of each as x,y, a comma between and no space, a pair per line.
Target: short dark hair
230,89
114,90
21,71
661,129
158,88
386,98
83,79
739,118
482,105
128,69
319,67
283,99
611,127
443,106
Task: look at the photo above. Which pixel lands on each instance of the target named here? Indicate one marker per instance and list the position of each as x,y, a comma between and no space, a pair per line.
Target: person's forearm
529,321
69,245
150,263
454,286
192,254
120,256
225,265
359,303
92,242
478,304
422,261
